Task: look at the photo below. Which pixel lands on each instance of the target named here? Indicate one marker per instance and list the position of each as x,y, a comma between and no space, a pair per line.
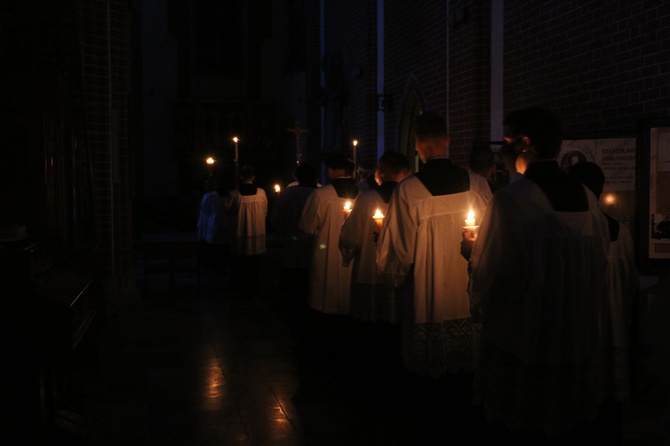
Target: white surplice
372,298
624,286
420,242
330,280
539,280
249,213
285,219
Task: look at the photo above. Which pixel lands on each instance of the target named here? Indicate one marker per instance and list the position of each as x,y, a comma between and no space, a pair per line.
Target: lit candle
277,188
379,219
210,164
470,221
347,208
237,161
355,142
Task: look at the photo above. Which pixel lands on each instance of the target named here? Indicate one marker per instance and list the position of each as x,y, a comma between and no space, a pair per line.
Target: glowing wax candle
470,221
379,219
355,143
347,208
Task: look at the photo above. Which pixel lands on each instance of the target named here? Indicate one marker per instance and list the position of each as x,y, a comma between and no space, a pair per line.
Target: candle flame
378,214
235,139
355,142
210,160
347,206
470,221
277,188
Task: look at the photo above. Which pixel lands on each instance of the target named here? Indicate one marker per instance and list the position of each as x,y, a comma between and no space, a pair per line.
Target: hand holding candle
470,226
469,235
470,221
347,209
379,219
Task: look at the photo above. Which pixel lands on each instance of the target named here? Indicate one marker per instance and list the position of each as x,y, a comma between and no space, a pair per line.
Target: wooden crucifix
298,131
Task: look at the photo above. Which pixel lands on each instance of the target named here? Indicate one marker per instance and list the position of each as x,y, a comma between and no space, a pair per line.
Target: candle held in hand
347,208
470,221
379,219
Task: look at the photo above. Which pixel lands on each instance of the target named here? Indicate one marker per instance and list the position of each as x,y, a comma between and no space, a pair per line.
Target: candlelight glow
354,150
347,208
277,188
609,199
235,139
210,161
379,219
470,221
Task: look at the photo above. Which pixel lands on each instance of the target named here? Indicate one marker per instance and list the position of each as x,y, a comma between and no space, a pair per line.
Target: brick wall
351,31
415,48
469,76
601,65
313,99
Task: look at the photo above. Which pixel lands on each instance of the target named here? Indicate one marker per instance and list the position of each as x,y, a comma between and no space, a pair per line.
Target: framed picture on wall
617,158
658,227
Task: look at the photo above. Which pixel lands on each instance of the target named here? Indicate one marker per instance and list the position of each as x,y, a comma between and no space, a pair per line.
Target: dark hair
366,166
337,161
590,175
429,125
306,174
541,125
481,158
394,162
247,172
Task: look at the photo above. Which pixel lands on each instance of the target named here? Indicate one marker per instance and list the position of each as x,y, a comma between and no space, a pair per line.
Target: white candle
237,161
470,221
347,208
355,142
379,219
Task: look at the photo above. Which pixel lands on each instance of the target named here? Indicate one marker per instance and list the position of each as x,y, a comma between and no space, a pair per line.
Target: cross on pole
297,130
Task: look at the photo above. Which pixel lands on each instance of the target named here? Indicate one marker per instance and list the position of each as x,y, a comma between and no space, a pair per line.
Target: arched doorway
413,103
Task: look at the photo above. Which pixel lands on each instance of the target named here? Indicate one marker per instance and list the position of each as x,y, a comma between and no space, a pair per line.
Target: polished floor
216,368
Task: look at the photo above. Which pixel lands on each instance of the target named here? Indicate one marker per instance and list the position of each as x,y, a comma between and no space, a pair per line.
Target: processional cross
297,130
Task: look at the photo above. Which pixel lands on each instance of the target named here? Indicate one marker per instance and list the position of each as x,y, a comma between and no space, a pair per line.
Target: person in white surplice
375,304
297,248
329,278
624,287
248,206
539,269
372,299
419,246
